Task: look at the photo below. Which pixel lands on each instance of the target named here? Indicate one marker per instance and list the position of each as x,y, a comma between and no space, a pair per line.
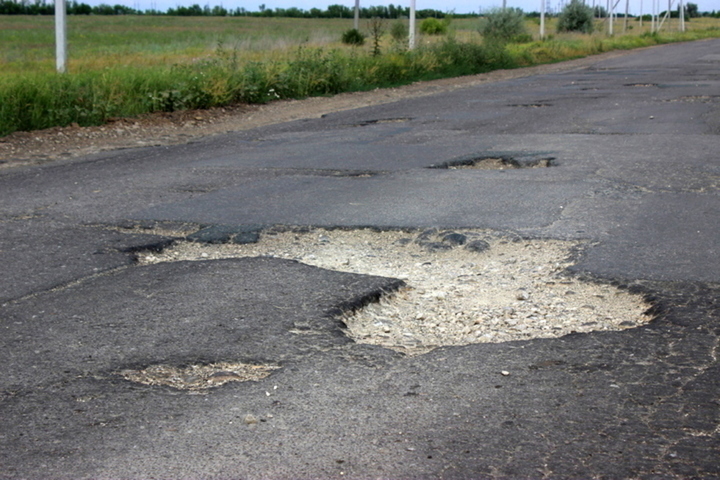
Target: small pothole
197,378
365,123
696,98
641,85
495,163
463,286
531,105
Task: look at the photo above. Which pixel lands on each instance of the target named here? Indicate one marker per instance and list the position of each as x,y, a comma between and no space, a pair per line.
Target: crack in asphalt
322,172
66,285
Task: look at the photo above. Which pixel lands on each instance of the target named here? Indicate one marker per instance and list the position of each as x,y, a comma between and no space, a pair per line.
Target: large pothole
462,286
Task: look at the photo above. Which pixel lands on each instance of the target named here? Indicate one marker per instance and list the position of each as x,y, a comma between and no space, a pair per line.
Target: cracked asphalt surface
634,143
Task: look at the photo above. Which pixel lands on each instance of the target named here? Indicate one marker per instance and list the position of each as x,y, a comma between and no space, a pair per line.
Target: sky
459,6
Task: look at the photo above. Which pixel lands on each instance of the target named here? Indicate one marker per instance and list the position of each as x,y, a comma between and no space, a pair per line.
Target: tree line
74,7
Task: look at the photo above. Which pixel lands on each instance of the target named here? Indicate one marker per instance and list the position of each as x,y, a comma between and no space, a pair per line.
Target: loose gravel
197,378
462,286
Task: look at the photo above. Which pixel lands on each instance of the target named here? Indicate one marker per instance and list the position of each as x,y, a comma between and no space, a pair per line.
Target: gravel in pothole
197,378
462,286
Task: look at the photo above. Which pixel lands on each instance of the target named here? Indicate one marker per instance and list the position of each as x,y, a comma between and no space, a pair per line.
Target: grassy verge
43,99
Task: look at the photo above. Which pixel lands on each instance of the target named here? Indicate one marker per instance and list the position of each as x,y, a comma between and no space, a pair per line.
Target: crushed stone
197,378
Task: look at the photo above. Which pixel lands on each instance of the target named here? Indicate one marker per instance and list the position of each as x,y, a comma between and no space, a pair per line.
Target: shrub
433,26
505,25
576,17
399,31
469,58
353,37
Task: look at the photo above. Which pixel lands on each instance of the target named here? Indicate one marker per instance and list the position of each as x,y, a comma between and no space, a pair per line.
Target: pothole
463,286
495,163
365,123
197,378
531,105
696,98
641,85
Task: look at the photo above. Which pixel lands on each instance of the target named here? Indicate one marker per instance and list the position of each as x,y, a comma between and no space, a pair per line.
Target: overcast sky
459,6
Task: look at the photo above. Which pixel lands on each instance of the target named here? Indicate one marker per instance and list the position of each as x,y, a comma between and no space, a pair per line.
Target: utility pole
666,16
625,23
652,17
60,36
356,23
542,19
411,40
682,16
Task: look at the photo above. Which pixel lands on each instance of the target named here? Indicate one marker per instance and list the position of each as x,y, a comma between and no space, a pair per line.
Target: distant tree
76,8
194,10
433,26
103,9
428,12
9,7
691,10
339,11
576,17
294,12
393,11
504,25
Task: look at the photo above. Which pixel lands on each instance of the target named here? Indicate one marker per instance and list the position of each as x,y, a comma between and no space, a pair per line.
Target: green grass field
28,43
129,65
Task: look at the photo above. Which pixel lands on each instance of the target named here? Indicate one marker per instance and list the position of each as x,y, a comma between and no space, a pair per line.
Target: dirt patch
64,143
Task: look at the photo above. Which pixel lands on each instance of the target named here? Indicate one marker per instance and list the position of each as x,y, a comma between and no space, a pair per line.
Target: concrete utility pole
542,19
60,36
681,6
652,17
627,8
666,16
356,23
411,40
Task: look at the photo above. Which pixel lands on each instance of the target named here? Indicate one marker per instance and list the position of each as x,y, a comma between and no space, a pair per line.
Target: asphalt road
632,145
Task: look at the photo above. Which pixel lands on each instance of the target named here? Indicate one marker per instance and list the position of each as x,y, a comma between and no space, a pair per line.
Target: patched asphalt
633,143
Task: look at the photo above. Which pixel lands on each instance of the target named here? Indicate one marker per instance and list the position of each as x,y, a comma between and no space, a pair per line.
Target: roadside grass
126,66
